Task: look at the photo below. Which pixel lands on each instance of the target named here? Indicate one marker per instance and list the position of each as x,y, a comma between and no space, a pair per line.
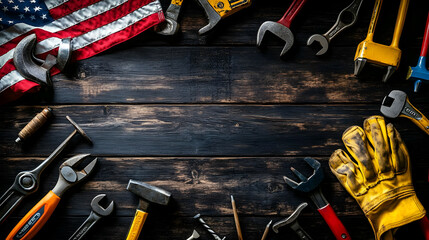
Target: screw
207,227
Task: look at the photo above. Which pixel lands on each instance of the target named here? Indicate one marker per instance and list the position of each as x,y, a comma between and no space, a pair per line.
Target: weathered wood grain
198,185
222,75
196,130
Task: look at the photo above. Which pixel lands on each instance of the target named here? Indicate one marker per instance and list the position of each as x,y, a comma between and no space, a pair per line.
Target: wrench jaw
280,31
322,40
307,184
379,55
98,209
393,104
167,28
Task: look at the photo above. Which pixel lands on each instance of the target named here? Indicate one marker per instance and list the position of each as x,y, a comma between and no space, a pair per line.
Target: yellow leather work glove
378,175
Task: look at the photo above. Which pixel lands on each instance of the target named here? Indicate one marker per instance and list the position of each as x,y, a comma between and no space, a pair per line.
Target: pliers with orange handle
34,220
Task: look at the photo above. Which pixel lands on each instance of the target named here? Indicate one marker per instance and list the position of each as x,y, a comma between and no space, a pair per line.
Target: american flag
93,25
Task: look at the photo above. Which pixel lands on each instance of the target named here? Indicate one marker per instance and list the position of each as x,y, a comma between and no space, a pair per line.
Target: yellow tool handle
422,123
400,20
374,18
177,2
137,225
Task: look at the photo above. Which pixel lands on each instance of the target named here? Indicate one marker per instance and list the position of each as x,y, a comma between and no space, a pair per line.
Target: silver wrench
96,214
170,26
338,27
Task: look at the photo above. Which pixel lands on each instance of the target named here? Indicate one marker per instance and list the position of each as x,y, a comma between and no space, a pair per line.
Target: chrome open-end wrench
339,26
27,182
96,214
170,26
281,27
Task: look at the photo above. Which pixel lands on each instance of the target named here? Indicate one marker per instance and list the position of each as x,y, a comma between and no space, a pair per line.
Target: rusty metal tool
292,222
267,229
379,54
281,27
219,9
207,227
420,73
27,182
237,222
195,235
170,26
310,186
396,104
147,194
96,214
37,122
37,70
36,218
339,26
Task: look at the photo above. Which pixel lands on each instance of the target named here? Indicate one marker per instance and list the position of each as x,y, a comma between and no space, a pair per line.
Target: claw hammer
379,54
148,194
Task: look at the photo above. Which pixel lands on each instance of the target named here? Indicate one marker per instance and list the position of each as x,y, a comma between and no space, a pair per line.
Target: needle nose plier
34,220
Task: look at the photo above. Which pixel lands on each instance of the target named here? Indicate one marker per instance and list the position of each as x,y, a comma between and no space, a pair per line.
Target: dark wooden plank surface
207,117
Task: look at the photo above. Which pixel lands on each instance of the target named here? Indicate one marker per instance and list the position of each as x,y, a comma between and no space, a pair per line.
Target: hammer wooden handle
35,123
334,223
137,225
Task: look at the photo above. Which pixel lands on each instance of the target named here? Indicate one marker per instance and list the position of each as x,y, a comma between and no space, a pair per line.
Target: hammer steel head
279,30
27,65
310,183
322,40
291,219
79,129
148,192
98,209
393,104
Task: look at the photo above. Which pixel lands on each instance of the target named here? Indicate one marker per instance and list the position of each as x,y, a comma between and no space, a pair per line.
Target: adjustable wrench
379,54
170,26
396,104
338,27
96,214
281,27
310,185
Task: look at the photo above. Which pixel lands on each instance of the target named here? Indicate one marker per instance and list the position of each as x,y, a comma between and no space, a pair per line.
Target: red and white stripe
93,25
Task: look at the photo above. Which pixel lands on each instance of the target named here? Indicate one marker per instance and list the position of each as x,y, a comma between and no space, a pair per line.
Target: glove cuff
395,210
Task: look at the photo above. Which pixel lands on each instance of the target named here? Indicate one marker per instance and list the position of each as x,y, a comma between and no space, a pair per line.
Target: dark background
207,117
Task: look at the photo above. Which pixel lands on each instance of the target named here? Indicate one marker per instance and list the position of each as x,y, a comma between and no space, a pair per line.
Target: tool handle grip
34,220
334,223
292,11
8,202
415,116
374,18
424,225
400,20
425,42
137,225
38,121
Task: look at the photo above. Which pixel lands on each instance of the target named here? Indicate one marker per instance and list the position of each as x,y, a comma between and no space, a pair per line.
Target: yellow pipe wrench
379,54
